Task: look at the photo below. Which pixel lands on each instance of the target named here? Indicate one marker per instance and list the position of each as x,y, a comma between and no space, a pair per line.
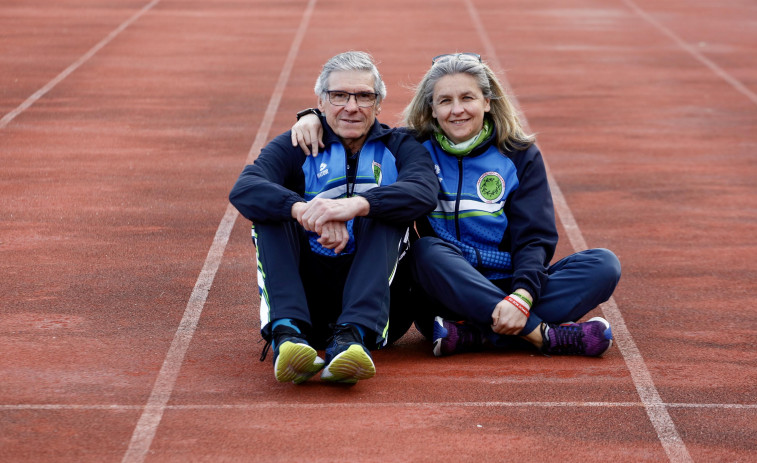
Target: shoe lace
266,348
566,339
276,336
344,334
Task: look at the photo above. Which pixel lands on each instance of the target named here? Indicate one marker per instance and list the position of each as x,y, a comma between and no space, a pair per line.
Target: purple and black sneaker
455,337
591,338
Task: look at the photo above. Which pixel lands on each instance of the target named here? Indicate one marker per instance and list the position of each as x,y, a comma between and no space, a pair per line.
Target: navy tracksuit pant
319,291
452,288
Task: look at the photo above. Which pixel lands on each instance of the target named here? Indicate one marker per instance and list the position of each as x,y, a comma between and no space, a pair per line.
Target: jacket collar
478,150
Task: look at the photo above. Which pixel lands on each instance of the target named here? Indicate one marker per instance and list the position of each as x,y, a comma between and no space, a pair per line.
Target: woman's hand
308,134
507,319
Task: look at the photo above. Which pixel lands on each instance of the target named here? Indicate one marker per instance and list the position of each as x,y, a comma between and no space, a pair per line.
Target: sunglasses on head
461,56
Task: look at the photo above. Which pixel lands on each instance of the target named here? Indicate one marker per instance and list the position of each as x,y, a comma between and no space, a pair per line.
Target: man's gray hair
350,61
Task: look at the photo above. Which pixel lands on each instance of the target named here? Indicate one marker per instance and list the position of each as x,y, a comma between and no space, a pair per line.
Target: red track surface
114,181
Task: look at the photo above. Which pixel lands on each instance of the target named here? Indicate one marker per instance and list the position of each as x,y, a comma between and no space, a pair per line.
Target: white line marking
148,423
694,52
70,407
328,405
732,406
642,379
73,67
368,405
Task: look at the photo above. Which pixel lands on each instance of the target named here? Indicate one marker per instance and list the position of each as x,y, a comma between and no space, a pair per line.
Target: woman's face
459,106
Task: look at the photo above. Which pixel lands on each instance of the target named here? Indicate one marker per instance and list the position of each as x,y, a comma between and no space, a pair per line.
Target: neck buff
464,148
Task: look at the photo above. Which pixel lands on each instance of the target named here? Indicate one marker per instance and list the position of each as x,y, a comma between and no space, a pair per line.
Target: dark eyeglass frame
448,56
355,95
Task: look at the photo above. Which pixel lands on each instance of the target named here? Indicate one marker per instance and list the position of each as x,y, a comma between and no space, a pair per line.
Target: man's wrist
362,205
296,207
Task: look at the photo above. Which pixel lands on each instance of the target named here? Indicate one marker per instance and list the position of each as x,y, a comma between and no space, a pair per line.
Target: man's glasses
363,99
460,56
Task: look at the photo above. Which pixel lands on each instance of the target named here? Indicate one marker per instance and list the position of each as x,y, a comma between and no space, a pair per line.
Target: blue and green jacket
394,174
497,209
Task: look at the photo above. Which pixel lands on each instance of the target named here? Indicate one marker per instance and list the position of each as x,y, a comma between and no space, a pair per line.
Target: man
329,229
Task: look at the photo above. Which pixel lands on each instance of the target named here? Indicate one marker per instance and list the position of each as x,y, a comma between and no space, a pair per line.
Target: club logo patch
490,187
377,172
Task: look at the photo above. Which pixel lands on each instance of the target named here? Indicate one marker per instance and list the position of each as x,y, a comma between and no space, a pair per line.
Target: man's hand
507,319
308,134
334,236
319,212
328,218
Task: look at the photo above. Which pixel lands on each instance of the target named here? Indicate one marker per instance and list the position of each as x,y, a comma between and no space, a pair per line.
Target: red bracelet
519,305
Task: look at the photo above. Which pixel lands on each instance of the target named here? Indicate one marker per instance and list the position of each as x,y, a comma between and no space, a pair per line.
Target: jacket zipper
348,172
457,211
457,201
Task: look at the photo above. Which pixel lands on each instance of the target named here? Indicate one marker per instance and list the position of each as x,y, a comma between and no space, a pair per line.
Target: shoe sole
440,332
350,366
296,363
607,332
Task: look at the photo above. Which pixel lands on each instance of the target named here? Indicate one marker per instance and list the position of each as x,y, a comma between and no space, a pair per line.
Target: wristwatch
305,112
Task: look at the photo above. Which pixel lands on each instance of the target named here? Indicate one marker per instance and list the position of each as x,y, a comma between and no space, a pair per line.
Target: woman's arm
531,217
308,134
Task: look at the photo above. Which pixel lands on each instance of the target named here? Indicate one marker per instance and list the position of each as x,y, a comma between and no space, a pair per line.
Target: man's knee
276,234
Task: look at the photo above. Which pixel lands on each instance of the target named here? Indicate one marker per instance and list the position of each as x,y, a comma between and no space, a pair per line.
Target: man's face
350,122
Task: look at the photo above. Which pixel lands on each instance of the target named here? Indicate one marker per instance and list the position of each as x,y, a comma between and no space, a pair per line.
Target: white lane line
118,407
720,72
368,405
725,406
152,414
148,422
642,379
265,405
73,67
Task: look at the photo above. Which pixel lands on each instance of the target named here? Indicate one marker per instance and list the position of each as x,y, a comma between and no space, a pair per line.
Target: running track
129,309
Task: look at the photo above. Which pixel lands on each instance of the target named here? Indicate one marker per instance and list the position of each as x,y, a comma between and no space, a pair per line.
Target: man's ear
320,104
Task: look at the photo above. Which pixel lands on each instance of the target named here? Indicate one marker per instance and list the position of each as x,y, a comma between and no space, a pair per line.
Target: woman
481,269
